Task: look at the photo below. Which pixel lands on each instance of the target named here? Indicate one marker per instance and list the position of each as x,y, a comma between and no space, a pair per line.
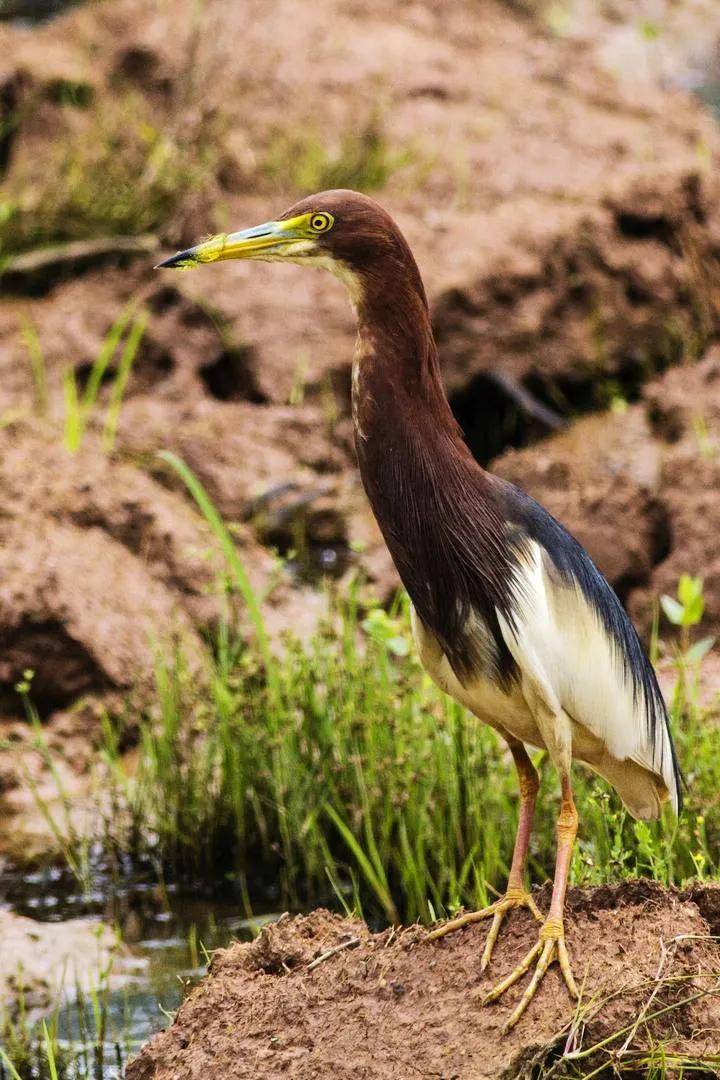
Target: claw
549,946
514,898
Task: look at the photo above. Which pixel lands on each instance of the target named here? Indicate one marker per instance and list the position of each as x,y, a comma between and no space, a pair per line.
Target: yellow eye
321,222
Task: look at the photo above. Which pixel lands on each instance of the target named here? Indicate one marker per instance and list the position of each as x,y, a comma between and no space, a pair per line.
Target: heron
510,616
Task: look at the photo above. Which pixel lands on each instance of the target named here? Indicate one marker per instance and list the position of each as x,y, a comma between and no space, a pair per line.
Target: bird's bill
273,239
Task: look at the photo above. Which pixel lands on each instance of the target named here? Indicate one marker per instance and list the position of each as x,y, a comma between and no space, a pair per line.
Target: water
709,92
168,933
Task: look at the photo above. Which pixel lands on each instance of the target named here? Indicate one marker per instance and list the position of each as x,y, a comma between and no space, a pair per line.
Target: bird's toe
550,946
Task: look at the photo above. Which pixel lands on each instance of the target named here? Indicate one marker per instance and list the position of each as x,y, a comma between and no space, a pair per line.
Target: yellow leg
516,895
551,941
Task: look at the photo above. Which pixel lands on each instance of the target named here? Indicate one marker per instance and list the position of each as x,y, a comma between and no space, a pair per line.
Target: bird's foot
513,898
550,946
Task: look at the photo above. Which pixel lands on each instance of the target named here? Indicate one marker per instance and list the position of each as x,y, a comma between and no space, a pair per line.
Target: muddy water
709,92
168,933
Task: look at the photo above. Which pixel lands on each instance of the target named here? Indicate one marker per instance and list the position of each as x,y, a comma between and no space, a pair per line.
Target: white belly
565,657
507,712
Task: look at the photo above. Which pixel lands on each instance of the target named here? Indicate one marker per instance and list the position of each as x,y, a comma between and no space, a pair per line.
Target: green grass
115,170
358,770
81,407
33,1048
364,161
347,768
336,767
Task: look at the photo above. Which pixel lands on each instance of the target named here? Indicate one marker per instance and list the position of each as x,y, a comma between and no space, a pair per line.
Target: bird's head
343,231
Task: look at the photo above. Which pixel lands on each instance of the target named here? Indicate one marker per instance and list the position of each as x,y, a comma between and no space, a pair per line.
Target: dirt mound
561,223
99,561
684,409
586,310
322,997
102,566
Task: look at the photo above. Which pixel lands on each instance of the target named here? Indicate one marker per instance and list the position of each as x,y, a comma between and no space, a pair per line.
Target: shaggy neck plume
397,388
434,504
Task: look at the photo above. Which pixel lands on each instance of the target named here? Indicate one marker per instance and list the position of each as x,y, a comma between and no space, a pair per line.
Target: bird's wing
571,633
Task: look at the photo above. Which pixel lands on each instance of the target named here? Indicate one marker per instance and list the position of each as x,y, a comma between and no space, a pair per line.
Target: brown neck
398,393
436,507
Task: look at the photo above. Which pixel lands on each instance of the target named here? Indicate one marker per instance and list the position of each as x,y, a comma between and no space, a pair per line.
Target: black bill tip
179,261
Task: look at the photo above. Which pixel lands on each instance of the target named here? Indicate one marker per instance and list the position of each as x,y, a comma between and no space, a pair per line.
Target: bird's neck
397,390
436,507
410,449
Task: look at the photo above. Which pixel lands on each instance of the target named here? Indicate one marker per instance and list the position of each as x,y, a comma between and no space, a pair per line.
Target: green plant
685,612
119,383
37,366
688,609
227,546
707,447
33,1048
74,847
339,761
114,170
80,407
364,161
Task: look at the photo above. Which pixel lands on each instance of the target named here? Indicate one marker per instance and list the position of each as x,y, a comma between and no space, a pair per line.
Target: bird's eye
321,222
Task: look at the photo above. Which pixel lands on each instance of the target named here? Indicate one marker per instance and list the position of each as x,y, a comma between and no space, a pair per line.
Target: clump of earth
321,996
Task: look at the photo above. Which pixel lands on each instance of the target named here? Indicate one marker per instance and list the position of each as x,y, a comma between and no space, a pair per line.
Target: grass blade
107,351
73,416
121,379
373,879
37,366
227,544
14,1074
49,1052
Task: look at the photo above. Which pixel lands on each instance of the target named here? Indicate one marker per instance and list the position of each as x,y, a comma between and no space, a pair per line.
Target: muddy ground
39,960
393,1006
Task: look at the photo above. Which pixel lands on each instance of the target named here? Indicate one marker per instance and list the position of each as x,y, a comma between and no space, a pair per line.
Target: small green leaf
689,589
399,646
697,652
693,612
673,610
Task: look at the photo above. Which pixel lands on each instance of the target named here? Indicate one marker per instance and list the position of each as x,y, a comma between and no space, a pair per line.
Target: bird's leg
551,941
516,895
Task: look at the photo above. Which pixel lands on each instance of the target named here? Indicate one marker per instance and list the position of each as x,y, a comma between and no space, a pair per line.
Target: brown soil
40,959
684,408
553,197
394,1006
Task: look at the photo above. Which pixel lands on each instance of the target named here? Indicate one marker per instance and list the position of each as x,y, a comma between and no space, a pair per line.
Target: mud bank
321,996
38,960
